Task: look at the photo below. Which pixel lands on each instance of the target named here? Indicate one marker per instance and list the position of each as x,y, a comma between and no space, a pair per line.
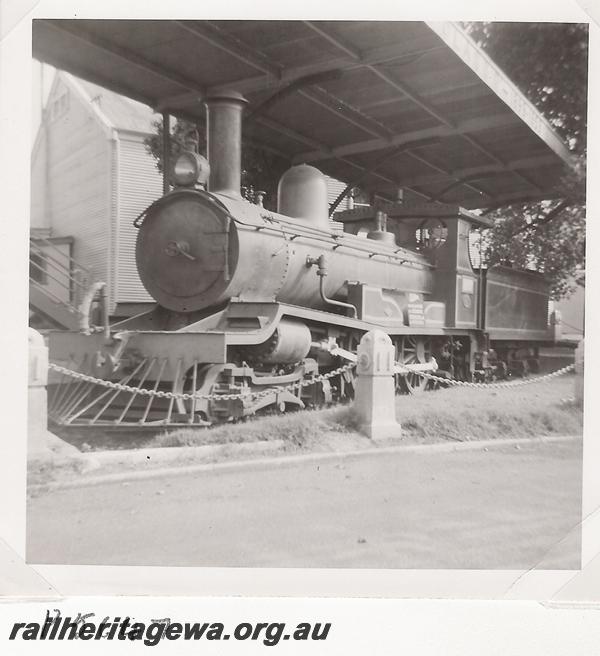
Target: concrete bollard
579,367
37,410
375,396
556,325
41,443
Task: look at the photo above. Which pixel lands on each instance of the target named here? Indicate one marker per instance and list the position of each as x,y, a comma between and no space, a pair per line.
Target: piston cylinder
290,343
224,141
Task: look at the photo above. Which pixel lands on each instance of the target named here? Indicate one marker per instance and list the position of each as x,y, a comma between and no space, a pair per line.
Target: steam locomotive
254,300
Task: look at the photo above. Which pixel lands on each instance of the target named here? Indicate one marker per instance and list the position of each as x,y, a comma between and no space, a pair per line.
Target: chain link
121,387
504,385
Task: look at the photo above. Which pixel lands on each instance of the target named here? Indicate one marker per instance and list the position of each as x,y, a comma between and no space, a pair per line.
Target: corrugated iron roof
380,104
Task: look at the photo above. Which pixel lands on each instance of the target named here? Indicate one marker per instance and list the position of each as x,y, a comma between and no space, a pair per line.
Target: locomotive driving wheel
411,349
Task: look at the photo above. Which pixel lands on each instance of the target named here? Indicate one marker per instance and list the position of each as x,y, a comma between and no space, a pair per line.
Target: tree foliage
548,62
260,169
182,132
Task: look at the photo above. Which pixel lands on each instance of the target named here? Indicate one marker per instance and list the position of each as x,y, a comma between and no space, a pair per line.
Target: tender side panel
516,304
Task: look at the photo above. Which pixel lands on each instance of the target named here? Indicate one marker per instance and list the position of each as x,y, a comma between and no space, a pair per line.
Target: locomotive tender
250,299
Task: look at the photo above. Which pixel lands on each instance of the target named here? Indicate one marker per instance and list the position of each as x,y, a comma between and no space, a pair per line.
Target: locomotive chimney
224,140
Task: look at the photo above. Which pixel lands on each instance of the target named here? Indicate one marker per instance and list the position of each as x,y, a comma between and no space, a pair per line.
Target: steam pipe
97,290
224,140
321,263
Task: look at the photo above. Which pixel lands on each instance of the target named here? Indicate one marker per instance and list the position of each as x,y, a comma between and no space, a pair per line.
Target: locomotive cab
442,234
456,280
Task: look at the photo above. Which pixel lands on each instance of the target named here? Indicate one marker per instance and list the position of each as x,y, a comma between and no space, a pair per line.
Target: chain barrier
142,391
503,385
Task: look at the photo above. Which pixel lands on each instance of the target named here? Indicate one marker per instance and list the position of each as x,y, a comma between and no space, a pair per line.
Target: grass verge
470,414
450,414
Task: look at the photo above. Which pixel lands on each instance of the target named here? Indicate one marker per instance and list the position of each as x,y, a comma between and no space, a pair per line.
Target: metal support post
166,150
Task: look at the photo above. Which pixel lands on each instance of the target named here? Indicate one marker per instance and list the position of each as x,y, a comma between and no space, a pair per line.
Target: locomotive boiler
254,300
198,250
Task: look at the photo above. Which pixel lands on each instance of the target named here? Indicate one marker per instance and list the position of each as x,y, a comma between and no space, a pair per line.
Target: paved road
501,508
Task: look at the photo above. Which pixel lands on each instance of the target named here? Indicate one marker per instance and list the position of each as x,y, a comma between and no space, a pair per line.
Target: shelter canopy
383,105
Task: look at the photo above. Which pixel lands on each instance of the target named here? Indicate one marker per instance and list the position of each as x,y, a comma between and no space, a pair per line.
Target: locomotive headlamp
190,168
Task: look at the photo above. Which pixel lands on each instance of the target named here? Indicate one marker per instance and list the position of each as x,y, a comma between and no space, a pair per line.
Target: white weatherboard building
91,177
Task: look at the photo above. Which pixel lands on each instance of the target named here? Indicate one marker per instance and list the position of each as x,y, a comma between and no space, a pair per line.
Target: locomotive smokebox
302,193
224,141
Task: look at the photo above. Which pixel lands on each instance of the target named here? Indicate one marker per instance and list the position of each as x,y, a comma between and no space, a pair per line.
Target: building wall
71,180
334,189
139,185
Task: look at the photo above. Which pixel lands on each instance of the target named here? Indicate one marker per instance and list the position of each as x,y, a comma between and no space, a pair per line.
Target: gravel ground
506,507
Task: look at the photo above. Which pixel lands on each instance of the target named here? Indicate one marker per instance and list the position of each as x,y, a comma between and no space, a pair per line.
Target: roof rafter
512,167
516,198
399,86
216,37
380,55
469,90
126,55
345,112
486,151
422,194
334,40
459,181
301,138
411,94
370,145
288,132
518,172
390,155
178,101
368,173
439,169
